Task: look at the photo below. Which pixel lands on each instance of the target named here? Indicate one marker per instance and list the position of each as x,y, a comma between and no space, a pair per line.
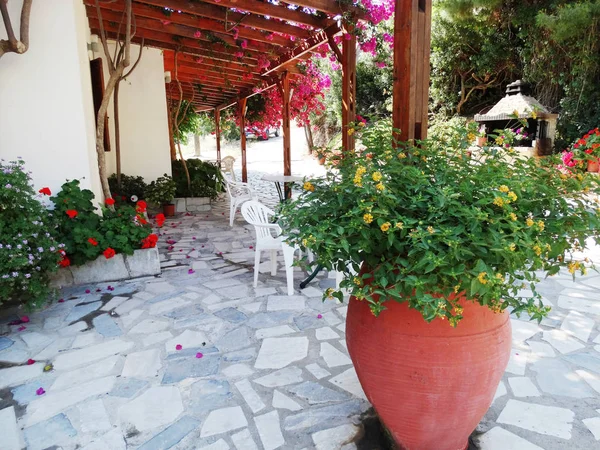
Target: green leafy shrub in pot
131,190
427,224
206,179
28,250
87,235
162,191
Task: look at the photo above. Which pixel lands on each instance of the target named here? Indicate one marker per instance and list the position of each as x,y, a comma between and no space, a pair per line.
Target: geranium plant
586,148
162,191
423,224
28,250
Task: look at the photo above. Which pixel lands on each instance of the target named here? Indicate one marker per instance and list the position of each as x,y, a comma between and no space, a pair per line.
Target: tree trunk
185,167
309,138
196,145
171,131
110,86
117,131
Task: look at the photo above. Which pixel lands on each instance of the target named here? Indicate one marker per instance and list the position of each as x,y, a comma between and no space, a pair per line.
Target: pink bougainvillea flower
87,291
40,391
199,355
180,250
251,247
21,328
319,316
191,271
61,300
197,34
202,246
110,288
178,347
187,256
165,22
220,253
24,319
194,237
30,362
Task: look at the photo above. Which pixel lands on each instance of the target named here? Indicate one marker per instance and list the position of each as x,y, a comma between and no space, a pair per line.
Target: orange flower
71,213
109,253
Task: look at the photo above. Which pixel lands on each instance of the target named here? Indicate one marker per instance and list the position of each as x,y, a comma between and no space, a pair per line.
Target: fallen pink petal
24,319
191,271
61,300
199,355
178,347
40,391
30,362
319,316
21,328
87,291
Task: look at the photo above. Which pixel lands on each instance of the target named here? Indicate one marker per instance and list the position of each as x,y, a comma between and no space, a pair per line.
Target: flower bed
143,262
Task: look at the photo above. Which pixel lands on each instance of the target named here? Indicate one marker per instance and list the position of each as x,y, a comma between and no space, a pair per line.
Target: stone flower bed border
192,204
143,262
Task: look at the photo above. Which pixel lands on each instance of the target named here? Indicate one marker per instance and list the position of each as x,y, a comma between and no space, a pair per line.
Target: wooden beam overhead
182,31
225,66
230,17
331,7
198,23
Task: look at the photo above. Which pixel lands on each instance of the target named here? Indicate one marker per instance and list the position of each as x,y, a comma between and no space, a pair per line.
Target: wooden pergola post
218,133
242,112
287,151
412,45
348,90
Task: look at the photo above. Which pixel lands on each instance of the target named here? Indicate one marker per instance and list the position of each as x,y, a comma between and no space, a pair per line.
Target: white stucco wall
46,106
143,118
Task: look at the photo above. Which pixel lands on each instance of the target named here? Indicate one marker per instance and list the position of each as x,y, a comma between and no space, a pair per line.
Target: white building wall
46,112
143,120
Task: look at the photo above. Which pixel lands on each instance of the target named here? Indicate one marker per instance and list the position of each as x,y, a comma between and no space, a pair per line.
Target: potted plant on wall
435,249
481,136
162,192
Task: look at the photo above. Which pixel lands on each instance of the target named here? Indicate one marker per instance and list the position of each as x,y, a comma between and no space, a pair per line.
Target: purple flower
8,246
40,391
19,246
8,186
40,250
25,241
27,275
52,249
5,276
15,274
191,271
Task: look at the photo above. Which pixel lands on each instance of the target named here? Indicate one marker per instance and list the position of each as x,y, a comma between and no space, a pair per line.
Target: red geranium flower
71,213
160,219
142,220
110,201
93,241
64,262
45,191
141,206
109,253
150,241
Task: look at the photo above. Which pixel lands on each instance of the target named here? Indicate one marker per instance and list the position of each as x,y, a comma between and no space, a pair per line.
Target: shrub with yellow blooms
423,223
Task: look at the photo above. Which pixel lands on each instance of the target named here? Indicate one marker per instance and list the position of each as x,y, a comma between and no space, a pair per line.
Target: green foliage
429,225
28,250
373,89
162,191
206,179
191,123
552,44
87,234
130,186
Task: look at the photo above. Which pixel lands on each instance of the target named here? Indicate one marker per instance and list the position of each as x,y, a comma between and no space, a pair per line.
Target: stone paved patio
256,369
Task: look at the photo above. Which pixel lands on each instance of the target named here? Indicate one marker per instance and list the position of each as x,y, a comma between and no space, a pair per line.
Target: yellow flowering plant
422,223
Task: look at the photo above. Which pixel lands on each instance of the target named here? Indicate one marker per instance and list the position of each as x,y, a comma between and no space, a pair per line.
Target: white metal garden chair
227,167
238,193
268,237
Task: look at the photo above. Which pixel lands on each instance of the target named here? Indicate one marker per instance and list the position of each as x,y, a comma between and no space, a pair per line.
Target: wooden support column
285,114
242,113
412,44
218,133
348,90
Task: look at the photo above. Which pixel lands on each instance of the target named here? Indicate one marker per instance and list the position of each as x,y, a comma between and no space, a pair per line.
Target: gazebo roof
225,49
515,100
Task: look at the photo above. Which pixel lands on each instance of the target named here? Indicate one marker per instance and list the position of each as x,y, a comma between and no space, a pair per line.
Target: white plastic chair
238,193
227,167
268,237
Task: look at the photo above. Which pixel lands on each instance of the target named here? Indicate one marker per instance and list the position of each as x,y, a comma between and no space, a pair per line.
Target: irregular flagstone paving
203,360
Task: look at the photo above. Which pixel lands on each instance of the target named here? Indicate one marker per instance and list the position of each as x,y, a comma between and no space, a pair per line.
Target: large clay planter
169,209
430,383
593,166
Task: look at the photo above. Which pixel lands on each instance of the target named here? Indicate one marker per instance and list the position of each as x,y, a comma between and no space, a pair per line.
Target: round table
279,180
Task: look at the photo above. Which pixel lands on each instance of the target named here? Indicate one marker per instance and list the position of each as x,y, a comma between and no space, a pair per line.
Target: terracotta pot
481,140
593,166
430,383
169,210
322,160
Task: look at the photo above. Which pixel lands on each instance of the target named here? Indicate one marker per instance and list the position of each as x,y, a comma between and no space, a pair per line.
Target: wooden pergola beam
200,23
348,91
242,112
216,51
331,7
218,133
412,42
225,66
303,49
180,30
232,18
272,10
